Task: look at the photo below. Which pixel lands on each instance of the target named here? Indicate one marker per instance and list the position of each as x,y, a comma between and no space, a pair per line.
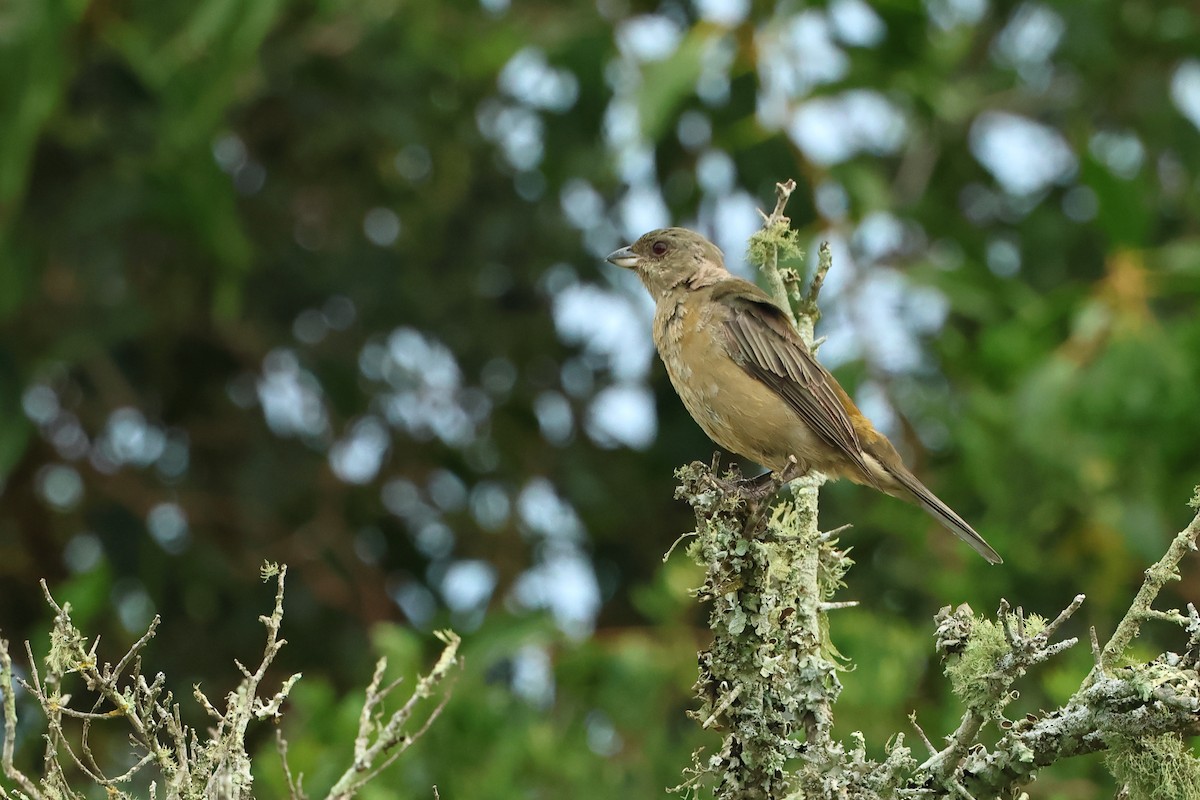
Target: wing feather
764,343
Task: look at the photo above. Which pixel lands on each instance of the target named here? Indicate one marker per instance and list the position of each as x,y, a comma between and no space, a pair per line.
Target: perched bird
748,379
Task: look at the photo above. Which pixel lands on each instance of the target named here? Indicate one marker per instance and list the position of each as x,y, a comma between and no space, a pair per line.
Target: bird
752,384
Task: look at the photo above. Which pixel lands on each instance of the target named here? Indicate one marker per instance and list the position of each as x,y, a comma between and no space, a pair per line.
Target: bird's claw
760,487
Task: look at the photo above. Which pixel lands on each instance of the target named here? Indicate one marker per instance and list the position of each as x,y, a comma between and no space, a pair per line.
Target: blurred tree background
322,283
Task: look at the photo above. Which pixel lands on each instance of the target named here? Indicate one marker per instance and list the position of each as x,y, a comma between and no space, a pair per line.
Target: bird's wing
763,342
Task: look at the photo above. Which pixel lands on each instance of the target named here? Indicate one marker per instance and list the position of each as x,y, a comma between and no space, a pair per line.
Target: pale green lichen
770,248
970,671
1155,768
780,241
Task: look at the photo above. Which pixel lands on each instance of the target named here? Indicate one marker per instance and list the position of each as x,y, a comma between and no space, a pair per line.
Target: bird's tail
945,515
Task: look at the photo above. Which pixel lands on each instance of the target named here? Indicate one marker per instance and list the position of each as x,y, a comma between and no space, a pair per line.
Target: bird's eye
659,248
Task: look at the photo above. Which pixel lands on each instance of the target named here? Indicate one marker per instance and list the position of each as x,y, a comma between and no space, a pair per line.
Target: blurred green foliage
225,226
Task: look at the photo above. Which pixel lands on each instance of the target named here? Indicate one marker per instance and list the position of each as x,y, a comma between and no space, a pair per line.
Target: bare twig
921,733
723,706
808,305
295,785
783,191
838,606
375,747
829,536
1097,655
1052,626
7,685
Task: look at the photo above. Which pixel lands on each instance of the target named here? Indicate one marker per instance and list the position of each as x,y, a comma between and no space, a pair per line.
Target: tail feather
945,515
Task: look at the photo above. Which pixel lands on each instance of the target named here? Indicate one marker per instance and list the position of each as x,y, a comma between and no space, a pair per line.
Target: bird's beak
625,257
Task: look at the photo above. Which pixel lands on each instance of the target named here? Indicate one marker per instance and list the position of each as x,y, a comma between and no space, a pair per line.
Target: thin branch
1053,626
838,606
1174,617
808,305
723,706
943,765
374,742
404,742
783,191
295,788
1023,651
912,717
8,686
829,536
1157,576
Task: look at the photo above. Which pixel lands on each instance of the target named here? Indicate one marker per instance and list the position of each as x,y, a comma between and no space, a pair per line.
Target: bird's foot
760,487
732,481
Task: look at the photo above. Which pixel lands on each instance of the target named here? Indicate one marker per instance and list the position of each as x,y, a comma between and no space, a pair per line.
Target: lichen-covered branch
229,775
1137,704
808,303
984,659
1157,576
770,677
189,764
7,685
774,241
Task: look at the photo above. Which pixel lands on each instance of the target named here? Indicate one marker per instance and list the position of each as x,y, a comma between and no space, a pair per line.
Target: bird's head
668,257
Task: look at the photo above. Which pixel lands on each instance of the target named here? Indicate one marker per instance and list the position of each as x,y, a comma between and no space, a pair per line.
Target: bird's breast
693,356
737,411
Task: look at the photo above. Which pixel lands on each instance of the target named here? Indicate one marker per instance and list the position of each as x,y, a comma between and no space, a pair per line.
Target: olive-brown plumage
747,378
